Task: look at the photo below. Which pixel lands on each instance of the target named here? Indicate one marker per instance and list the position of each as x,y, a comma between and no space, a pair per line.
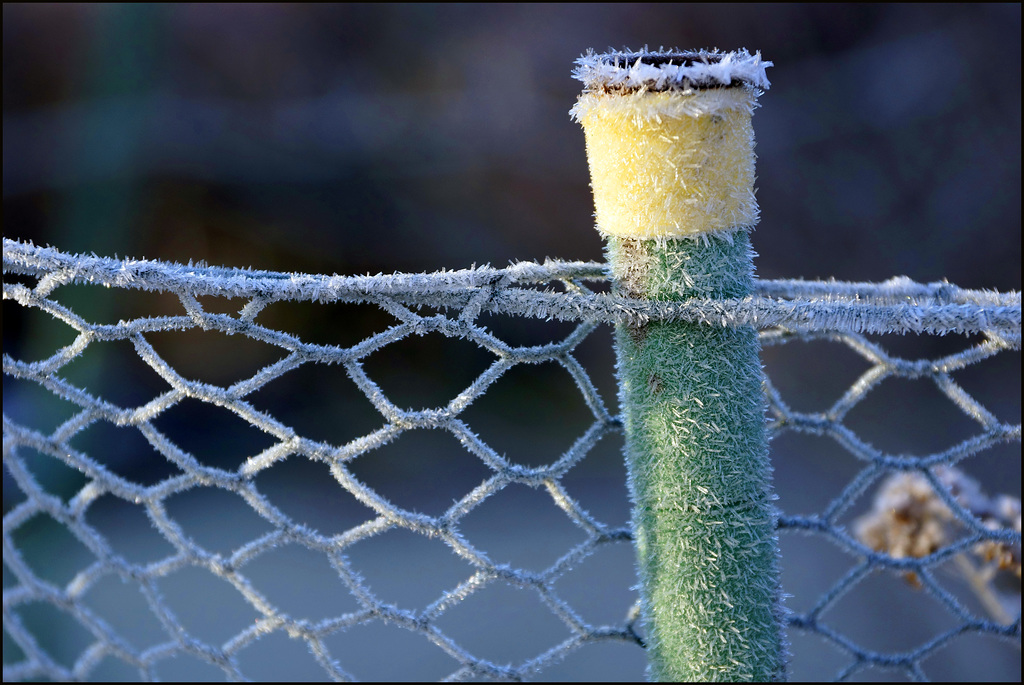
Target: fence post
670,147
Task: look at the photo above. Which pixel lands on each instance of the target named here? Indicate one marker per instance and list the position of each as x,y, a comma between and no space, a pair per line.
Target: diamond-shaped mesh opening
415,657
208,607
54,632
318,401
810,470
182,666
532,415
327,323
989,659
49,551
52,476
600,588
306,492
612,662
811,566
900,414
278,658
504,624
234,522
517,332
122,606
112,372
596,353
213,435
997,469
912,347
814,372
34,334
499,528
297,582
425,471
110,669
814,659
406,370
108,306
227,359
33,405
438,568
912,617
421,476
128,531
121,450
995,383
598,482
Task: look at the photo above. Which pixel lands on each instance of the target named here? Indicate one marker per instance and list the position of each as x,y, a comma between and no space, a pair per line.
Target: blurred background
377,138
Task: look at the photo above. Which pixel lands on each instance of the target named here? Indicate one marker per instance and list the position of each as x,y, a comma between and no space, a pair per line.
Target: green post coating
691,393
698,467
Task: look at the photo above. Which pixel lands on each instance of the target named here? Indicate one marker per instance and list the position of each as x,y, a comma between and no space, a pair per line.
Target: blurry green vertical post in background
670,148
103,182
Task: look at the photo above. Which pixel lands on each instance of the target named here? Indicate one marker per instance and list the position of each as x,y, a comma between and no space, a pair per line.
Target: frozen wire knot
661,70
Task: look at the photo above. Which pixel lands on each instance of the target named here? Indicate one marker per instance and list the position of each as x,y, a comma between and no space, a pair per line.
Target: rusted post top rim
662,70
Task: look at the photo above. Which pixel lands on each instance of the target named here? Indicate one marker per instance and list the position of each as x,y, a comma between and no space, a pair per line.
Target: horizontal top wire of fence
898,305
927,511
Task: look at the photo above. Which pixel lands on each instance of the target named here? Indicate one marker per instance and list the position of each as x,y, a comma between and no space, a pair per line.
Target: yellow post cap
669,140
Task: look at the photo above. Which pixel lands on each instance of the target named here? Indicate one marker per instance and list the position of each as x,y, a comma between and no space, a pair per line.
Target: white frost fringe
626,69
898,305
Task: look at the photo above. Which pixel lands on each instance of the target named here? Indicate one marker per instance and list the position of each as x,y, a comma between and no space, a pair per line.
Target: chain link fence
168,514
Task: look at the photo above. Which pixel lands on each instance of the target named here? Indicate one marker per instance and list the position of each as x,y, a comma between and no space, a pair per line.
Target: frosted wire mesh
783,310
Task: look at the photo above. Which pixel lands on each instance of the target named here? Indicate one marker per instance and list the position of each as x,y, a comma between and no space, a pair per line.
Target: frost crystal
671,69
